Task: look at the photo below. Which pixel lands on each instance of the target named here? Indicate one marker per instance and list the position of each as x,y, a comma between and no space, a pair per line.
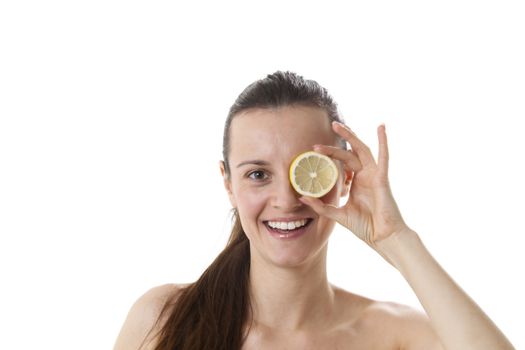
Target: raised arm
371,213
456,318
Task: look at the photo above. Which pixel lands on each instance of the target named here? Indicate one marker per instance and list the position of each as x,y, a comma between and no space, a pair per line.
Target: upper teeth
287,225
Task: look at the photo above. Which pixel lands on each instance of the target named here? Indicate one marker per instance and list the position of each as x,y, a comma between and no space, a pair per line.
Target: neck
290,298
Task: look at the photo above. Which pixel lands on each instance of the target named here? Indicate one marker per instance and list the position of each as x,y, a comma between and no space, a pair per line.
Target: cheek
250,204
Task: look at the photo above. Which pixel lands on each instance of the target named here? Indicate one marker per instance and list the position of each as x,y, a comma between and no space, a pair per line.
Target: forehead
279,133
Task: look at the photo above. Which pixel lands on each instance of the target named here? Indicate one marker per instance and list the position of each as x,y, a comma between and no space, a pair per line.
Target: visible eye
258,175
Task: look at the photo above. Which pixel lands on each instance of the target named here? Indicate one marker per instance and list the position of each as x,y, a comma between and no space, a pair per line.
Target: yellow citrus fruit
313,174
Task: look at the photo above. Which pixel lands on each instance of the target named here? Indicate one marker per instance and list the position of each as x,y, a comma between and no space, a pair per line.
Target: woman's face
263,143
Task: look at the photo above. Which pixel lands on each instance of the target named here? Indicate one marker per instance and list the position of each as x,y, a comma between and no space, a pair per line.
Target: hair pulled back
213,312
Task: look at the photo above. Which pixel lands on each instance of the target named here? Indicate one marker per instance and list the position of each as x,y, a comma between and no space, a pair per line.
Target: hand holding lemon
370,212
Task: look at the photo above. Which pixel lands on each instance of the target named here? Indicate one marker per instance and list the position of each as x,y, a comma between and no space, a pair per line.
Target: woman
268,289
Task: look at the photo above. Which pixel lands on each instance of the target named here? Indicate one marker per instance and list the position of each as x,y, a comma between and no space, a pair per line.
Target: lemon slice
313,174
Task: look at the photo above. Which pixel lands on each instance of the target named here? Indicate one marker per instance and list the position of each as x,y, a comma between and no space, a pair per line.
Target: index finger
358,146
346,156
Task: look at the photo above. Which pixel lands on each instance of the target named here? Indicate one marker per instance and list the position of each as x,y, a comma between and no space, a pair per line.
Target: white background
111,117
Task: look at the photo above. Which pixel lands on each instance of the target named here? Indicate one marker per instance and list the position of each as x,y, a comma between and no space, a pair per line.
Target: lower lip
290,235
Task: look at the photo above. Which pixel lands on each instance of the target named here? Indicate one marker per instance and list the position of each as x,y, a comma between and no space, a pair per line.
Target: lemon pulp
313,174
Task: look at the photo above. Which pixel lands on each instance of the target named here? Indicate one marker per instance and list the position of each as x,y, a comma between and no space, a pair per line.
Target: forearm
456,318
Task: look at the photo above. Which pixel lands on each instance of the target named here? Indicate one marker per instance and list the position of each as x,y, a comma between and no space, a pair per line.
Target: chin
295,258
290,252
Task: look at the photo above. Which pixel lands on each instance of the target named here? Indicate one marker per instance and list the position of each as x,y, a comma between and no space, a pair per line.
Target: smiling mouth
288,227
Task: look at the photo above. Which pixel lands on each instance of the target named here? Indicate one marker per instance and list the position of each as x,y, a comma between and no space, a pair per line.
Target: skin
294,305
287,315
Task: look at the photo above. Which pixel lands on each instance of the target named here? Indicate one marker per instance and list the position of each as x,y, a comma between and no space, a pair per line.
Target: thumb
321,208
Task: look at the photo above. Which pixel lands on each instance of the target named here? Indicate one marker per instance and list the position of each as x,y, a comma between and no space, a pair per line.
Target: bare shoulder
142,320
408,326
387,325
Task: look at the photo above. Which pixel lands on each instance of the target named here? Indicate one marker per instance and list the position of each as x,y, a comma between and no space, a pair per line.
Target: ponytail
211,313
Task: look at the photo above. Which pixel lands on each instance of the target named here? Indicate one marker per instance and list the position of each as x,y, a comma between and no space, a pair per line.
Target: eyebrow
255,162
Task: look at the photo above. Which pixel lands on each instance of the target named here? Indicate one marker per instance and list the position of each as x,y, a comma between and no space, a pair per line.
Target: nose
284,197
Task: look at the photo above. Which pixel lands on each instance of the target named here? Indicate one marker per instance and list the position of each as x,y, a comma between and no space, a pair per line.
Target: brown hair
213,312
